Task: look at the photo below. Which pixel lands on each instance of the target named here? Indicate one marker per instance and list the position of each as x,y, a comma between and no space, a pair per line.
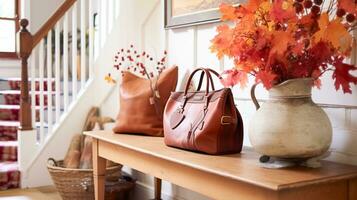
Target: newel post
24,49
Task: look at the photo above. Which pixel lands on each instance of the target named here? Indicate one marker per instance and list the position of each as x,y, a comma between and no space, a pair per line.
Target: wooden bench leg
157,183
99,165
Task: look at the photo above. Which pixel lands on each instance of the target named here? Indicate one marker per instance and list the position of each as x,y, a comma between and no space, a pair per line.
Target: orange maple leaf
281,41
333,32
252,5
227,12
222,41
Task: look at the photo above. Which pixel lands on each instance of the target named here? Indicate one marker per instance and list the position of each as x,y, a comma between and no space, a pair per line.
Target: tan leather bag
141,107
204,121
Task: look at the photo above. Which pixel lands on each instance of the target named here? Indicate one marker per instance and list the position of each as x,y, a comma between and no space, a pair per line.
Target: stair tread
17,107
19,79
9,123
16,123
9,166
8,143
45,93
17,92
13,107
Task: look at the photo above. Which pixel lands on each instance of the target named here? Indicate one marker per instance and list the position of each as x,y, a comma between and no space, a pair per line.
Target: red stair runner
12,97
8,151
8,130
11,112
9,116
9,175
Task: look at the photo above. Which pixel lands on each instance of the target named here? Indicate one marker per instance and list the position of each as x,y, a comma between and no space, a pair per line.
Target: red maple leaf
316,76
266,78
342,75
233,77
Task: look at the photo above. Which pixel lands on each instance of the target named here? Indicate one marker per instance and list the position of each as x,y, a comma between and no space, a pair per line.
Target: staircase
68,74
38,109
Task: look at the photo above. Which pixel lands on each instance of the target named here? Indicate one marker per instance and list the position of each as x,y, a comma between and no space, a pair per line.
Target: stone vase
290,124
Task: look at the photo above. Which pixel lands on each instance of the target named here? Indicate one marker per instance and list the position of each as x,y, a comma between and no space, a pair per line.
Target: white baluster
33,86
110,12
83,43
49,82
74,51
57,72
103,22
65,62
41,89
98,32
91,39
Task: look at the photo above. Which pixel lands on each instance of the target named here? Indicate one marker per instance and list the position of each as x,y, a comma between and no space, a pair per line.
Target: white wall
188,48
40,11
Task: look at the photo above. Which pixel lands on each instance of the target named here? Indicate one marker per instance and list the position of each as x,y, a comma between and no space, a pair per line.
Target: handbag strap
209,80
205,71
200,82
212,83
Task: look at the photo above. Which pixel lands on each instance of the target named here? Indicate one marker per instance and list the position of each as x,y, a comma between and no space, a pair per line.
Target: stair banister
26,42
24,49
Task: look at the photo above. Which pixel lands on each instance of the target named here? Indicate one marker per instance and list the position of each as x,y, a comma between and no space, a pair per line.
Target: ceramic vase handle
252,95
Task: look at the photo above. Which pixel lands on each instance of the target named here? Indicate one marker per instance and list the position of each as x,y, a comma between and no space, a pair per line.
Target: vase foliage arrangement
286,39
287,45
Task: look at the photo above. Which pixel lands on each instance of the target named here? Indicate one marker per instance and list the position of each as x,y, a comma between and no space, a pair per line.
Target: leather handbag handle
215,73
206,72
211,79
200,82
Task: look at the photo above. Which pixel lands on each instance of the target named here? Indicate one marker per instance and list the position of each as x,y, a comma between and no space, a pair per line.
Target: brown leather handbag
142,103
203,121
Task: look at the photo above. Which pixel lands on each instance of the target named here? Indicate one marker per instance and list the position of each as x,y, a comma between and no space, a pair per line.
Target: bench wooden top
242,167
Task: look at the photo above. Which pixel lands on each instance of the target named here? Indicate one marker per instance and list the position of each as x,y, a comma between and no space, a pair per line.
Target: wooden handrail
51,22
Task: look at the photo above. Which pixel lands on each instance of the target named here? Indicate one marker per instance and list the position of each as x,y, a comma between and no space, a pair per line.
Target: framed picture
181,13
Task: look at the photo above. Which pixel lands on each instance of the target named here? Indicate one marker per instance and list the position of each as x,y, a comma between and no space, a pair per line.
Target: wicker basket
74,184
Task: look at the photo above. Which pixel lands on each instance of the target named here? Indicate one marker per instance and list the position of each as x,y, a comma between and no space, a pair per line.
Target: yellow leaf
281,41
109,79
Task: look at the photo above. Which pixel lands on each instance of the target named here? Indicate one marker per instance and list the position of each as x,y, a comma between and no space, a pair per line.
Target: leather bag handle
211,79
206,72
200,82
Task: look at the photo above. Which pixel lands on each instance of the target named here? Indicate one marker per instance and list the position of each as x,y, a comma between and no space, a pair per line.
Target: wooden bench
227,177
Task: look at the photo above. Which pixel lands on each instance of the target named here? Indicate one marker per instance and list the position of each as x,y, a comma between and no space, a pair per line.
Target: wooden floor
43,193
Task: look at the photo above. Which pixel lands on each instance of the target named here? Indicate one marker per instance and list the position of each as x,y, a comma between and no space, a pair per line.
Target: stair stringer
33,161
